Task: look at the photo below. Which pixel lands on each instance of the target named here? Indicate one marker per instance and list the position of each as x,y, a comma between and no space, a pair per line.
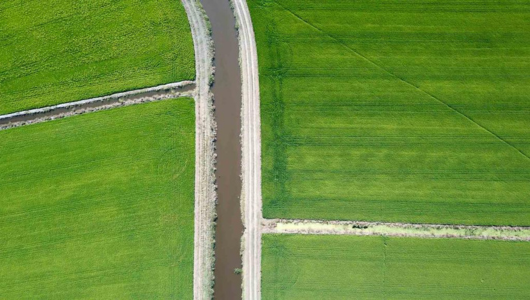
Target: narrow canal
227,95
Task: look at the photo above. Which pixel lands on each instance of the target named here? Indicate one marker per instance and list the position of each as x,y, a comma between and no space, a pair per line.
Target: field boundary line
151,94
321,227
205,133
356,52
251,201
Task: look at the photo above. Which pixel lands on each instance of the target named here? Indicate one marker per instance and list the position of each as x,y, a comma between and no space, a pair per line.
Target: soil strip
161,92
395,229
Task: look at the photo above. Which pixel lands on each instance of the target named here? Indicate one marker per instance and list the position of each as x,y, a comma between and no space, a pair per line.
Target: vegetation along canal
227,95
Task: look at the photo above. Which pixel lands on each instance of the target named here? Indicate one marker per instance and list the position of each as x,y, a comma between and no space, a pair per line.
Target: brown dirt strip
157,93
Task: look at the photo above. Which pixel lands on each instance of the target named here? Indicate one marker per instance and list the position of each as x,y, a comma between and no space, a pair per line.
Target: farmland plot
60,51
99,206
391,111
353,267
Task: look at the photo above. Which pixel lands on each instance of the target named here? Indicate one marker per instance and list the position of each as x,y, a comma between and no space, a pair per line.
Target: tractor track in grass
283,226
251,154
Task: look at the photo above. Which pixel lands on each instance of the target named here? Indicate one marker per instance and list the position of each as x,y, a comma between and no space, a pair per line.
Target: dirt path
205,195
38,115
251,157
396,229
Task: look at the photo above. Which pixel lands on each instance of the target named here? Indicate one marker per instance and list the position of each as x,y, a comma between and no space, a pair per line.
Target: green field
395,111
351,267
99,206
59,51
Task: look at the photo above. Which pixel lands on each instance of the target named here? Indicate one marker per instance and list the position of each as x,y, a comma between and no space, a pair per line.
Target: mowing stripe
408,83
395,229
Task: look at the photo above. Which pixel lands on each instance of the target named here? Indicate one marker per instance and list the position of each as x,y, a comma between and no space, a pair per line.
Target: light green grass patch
99,206
53,52
351,267
398,112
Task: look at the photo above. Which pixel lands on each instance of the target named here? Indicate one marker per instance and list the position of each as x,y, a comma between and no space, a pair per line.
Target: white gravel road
205,195
251,202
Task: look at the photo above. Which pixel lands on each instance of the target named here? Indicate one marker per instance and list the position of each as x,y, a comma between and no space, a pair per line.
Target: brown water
227,95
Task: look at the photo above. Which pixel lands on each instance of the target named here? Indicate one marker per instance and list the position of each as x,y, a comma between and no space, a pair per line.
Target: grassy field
59,51
351,267
99,206
393,111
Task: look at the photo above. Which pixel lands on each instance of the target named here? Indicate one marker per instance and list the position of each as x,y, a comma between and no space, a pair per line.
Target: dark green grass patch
59,51
99,206
393,111
351,267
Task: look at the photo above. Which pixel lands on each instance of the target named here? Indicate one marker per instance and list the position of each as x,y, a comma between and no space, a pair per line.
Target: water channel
227,95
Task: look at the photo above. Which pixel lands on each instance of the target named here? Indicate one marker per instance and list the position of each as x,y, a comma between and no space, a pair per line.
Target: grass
99,206
60,51
352,267
391,111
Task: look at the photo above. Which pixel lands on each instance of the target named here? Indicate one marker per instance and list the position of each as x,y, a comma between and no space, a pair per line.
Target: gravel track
277,226
251,154
205,195
38,115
